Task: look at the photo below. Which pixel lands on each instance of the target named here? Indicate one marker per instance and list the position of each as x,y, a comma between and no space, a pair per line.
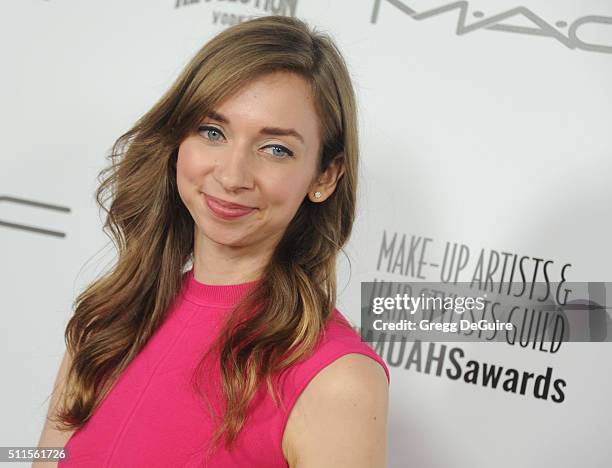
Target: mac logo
570,38
5,199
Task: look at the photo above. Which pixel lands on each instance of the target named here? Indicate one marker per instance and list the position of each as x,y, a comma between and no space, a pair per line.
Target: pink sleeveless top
153,418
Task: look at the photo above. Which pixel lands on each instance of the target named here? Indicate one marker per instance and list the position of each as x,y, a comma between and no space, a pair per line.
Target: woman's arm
50,436
340,419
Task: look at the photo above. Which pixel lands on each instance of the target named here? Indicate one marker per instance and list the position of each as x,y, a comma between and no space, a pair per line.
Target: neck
219,264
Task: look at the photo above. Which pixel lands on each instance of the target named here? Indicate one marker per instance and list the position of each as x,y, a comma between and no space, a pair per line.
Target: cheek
288,190
187,166
187,174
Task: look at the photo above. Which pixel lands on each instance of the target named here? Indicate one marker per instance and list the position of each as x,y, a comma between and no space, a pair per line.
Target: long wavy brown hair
153,232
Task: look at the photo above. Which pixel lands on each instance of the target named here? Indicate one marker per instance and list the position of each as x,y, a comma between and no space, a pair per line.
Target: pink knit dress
152,417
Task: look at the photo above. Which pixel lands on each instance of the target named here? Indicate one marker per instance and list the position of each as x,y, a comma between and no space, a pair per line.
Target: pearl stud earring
317,194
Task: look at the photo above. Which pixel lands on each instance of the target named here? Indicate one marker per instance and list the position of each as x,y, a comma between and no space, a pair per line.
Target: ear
325,183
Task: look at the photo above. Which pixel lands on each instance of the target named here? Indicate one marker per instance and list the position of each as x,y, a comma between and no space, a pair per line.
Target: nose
232,169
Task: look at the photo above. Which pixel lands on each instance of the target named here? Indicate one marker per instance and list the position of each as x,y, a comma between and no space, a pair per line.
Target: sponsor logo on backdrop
21,202
565,33
416,259
254,8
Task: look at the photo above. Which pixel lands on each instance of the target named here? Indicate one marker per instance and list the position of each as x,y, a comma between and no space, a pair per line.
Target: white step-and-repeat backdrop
486,130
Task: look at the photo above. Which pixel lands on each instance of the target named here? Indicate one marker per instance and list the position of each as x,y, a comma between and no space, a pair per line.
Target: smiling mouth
226,210
227,204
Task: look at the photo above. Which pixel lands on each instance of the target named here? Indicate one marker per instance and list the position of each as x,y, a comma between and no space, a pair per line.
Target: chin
223,236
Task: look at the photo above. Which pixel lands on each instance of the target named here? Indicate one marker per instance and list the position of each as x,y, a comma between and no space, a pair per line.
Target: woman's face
259,149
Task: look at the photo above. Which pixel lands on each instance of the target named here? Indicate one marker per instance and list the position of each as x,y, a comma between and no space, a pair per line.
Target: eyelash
288,152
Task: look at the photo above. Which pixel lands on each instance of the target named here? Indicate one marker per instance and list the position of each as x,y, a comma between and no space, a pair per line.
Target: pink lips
226,210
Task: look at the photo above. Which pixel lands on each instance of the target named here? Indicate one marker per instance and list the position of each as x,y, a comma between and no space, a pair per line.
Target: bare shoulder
340,419
51,436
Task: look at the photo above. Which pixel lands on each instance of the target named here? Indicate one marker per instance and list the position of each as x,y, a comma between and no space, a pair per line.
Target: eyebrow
276,131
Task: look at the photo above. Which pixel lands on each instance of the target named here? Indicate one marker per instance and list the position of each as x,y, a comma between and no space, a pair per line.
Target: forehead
279,99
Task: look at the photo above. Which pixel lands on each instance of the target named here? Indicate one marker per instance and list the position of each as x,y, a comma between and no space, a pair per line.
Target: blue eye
208,130
287,152
214,134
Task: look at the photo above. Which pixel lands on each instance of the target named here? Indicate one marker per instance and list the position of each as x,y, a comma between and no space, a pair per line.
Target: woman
246,171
